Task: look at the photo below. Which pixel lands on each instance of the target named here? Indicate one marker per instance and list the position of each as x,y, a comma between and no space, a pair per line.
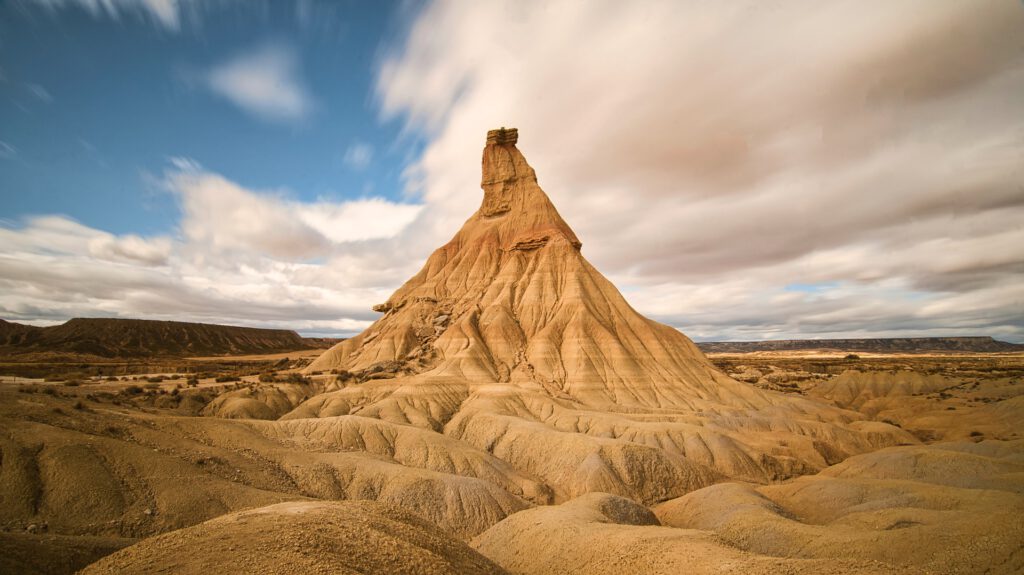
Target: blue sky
93,104
840,169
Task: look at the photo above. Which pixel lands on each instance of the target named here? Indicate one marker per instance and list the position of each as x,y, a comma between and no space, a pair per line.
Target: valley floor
287,473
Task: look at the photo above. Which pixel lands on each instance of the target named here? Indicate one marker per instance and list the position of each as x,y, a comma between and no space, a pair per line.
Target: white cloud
166,13
711,154
222,216
740,170
264,82
358,156
244,257
7,151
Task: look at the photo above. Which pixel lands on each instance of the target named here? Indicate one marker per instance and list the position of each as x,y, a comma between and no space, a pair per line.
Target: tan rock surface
602,534
302,538
510,340
948,508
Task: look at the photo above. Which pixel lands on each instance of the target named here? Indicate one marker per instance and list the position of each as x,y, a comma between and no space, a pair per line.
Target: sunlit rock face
510,340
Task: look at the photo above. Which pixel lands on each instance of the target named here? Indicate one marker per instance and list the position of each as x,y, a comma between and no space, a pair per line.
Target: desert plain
510,412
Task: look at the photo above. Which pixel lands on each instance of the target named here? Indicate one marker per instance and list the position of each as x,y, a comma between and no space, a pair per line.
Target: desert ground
511,413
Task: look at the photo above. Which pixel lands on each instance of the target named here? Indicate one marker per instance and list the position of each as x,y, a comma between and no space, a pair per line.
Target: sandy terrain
510,411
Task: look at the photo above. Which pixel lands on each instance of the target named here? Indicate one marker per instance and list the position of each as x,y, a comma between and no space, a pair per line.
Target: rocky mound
127,338
97,472
607,535
952,508
301,538
854,389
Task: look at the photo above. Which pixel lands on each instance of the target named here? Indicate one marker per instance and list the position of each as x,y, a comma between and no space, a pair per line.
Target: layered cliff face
511,299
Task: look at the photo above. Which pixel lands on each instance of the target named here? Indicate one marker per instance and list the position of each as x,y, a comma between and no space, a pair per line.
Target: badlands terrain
511,413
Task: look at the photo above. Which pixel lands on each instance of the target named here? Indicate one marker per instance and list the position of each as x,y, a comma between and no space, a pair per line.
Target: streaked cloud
265,82
710,154
39,92
166,13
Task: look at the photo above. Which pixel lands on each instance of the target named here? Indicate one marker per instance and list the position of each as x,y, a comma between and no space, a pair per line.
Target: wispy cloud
166,13
39,92
358,156
7,151
265,82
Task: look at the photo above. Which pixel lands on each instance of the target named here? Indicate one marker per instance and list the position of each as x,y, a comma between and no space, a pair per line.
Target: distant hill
874,345
125,338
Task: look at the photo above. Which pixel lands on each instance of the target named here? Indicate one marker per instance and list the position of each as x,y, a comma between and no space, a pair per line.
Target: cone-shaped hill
510,340
511,299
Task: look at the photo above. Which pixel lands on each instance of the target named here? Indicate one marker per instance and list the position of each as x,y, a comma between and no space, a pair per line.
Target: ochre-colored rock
510,340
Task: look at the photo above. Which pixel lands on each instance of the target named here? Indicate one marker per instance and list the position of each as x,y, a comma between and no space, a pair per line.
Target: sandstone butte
510,340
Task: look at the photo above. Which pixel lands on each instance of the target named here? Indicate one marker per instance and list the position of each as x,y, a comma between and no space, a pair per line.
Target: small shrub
155,379
132,390
296,378
227,378
852,356
192,382
151,385
79,405
977,434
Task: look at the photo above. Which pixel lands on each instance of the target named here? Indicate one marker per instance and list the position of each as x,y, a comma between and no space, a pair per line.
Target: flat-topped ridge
503,136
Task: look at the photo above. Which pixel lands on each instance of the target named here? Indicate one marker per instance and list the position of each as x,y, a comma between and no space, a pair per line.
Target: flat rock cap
502,136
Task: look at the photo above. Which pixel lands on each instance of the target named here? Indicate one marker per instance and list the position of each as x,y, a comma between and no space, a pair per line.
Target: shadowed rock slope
508,339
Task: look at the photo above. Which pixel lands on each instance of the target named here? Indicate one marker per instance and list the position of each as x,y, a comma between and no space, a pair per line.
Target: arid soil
510,412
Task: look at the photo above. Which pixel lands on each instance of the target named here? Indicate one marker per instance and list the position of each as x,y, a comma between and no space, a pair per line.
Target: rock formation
509,339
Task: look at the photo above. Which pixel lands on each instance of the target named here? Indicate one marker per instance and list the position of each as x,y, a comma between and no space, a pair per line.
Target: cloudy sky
741,170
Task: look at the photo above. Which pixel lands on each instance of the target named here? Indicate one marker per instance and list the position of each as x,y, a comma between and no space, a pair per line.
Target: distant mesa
872,345
127,338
